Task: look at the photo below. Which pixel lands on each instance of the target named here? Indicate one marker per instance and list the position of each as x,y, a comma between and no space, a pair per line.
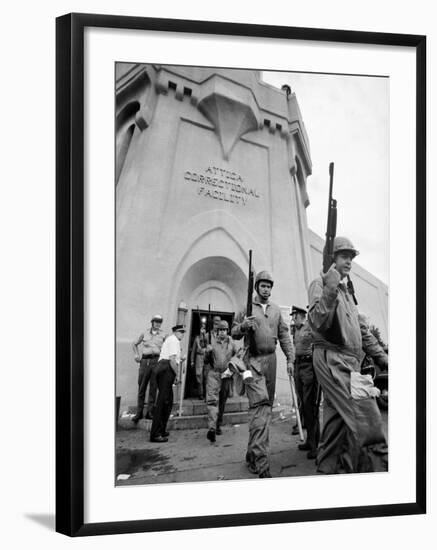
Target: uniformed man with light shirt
147,348
168,367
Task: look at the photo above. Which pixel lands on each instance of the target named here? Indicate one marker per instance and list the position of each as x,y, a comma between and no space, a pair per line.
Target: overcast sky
347,121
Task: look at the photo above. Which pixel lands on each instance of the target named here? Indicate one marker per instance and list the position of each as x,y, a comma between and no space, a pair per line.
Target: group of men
324,351
160,358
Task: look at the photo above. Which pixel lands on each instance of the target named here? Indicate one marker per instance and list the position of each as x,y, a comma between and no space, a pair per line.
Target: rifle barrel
331,224
249,287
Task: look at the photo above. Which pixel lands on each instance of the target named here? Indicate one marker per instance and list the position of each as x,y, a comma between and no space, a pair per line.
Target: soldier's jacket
199,347
303,340
221,353
324,306
271,328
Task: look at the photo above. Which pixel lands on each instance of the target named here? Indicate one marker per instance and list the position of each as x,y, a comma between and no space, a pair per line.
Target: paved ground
189,456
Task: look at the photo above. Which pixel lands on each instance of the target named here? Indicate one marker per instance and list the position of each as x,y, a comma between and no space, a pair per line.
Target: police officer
352,437
306,381
147,348
261,331
220,352
170,360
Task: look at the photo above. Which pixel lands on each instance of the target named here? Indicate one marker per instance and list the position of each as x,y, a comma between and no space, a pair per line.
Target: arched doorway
213,286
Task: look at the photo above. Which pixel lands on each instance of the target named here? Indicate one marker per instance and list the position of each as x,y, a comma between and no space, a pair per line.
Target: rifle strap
351,290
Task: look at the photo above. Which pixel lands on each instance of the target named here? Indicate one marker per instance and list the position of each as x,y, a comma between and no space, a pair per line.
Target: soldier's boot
312,454
211,435
251,464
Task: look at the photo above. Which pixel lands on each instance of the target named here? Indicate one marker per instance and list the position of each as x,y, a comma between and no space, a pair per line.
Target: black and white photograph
251,273
216,282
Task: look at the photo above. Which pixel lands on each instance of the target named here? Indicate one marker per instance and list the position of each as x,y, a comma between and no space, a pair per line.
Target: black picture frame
70,272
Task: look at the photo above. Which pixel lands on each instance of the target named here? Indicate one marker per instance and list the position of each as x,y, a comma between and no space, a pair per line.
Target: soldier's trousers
198,366
260,392
217,393
147,377
306,388
352,437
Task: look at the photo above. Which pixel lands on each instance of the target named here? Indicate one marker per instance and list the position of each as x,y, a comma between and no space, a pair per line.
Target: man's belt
304,358
151,356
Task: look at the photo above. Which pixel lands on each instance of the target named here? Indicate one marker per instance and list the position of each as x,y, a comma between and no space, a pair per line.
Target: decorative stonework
167,82
131,86
231,109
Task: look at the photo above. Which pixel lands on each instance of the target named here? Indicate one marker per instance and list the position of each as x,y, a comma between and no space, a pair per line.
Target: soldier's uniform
260,358
306,384
198,360
211,338
219,379
352,436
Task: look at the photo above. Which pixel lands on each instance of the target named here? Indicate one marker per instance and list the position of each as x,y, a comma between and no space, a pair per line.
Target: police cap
296,310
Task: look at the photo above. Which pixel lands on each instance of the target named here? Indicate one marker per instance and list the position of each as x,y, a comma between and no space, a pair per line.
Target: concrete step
199,422
195,407
191,422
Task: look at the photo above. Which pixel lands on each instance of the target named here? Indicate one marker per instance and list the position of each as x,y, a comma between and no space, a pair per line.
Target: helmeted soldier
219,353
198,352
261,332
352,437
212,337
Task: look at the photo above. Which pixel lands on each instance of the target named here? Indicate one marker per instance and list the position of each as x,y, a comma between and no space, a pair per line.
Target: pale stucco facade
210,164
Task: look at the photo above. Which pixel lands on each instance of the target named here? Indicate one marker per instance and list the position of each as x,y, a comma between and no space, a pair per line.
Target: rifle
333,333
331,230
209,325
249,287
331,226
351,290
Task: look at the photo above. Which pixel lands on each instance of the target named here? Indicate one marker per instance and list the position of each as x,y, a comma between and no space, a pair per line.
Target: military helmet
263,276
223,325
344,244
157,318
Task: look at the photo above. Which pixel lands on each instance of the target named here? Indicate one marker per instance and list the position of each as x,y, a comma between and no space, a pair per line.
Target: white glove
227,373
